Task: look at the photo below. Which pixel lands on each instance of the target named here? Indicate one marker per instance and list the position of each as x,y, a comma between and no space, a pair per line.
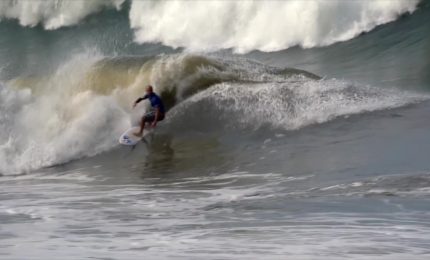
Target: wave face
78,110
217,24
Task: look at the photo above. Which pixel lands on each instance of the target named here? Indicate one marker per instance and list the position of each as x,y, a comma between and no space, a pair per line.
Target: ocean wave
259,25
216,24
81,108
53,14
290,104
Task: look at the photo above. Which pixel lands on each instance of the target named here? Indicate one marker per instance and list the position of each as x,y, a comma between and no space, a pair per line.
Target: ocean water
295,130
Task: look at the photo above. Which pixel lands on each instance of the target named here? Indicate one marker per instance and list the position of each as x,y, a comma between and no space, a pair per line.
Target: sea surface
295,129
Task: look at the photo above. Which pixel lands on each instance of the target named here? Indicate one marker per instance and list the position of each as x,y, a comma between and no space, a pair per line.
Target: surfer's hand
154,124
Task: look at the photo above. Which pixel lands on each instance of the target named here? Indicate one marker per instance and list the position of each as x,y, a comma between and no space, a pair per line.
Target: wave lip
290,104
259,25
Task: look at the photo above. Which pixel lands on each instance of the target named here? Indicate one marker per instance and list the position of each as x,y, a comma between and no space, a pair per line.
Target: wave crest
53,14
262,25
218,24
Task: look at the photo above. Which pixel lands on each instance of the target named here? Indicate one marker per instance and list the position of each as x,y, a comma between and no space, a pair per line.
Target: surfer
157,113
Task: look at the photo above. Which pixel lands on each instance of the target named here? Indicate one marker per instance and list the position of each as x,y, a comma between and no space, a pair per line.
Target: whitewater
241,25
294,129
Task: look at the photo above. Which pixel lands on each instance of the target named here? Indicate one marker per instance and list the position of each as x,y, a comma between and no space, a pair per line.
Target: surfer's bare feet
138,134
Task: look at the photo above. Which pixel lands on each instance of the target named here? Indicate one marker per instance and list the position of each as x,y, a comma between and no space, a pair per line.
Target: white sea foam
56,123
262,25
295,103
234,222
217,24
53,14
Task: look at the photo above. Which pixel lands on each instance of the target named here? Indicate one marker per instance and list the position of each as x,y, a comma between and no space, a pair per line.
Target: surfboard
128,137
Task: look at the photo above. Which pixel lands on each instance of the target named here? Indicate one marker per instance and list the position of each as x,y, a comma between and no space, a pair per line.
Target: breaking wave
81,109
217,24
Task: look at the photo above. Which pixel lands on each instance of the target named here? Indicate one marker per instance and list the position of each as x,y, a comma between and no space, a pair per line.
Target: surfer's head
149,89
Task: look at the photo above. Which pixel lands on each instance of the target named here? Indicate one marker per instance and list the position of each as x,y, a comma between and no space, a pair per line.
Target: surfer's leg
147,118
142,126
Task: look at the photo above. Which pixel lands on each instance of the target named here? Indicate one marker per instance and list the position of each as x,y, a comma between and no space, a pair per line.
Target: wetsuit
156,102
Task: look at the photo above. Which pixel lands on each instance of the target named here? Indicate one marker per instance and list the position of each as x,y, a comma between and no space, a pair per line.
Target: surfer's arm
139,99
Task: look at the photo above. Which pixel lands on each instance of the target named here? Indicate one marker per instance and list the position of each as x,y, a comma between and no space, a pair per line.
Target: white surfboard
128,137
